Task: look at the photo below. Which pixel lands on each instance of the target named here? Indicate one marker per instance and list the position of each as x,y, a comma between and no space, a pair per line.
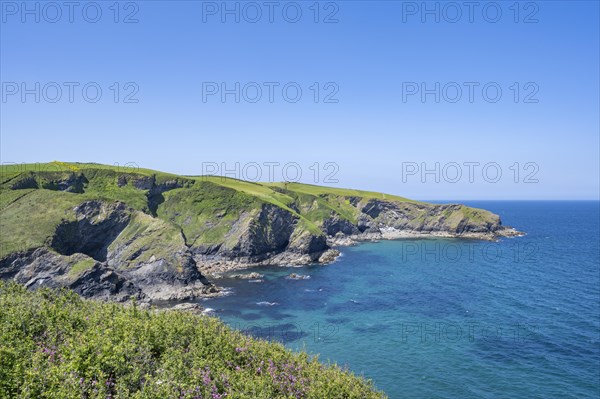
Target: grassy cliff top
270,192
36,198
54,344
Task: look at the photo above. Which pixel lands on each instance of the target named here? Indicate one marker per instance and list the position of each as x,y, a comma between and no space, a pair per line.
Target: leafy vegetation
53,344
81,266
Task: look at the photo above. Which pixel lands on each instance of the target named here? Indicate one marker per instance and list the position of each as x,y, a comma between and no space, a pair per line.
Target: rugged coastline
216,267
119,234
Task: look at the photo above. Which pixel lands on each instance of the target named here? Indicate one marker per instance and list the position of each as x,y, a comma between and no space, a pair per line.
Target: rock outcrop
110,251
116,234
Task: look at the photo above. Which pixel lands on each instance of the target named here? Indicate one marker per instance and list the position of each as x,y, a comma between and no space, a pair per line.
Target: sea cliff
117,233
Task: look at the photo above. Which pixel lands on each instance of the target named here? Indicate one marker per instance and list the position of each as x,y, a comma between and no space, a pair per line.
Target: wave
265,303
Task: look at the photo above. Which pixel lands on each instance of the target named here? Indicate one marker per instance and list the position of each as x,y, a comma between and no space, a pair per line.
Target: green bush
53,344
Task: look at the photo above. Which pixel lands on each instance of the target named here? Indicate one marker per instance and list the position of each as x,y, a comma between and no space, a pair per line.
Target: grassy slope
204,210
346,192
28,222
146,237
57,345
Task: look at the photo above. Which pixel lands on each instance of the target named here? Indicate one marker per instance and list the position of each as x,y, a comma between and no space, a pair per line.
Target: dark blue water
443,318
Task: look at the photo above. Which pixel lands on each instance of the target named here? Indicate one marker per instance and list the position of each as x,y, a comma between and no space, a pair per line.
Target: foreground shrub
53,344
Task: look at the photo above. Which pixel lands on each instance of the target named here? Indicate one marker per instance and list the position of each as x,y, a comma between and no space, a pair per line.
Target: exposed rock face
159,238
377,219
188,307
44,268
268,237
269,232
96,260
335,225
96,226
391,220
69,182
25,182
247,276
154,189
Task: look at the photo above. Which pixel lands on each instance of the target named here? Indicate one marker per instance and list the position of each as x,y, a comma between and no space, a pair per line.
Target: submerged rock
247,276
189,307
295,276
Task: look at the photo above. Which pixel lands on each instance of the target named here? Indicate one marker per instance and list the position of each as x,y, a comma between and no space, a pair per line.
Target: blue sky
376,136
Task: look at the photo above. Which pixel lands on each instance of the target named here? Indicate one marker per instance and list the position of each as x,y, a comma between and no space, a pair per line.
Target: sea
446,318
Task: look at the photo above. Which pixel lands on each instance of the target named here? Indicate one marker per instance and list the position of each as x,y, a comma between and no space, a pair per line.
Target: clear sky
368,125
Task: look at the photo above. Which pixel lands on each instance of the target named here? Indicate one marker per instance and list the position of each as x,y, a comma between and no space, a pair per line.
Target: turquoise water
443,318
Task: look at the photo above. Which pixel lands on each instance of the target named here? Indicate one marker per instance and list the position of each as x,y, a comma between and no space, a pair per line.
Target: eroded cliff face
116,235
97,224
110,251
269,235
273,235
43,267
383,218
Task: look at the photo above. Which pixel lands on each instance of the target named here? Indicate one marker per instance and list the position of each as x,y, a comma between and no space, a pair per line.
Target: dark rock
247,276
25,183
73,183
268,233
44,268
96,226
188,307
336,224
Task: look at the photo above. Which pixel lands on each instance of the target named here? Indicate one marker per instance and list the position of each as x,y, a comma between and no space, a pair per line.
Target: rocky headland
117,234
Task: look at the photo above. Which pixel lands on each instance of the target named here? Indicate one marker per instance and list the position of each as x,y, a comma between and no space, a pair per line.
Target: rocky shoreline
216,270
44,267
170,238
215,267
